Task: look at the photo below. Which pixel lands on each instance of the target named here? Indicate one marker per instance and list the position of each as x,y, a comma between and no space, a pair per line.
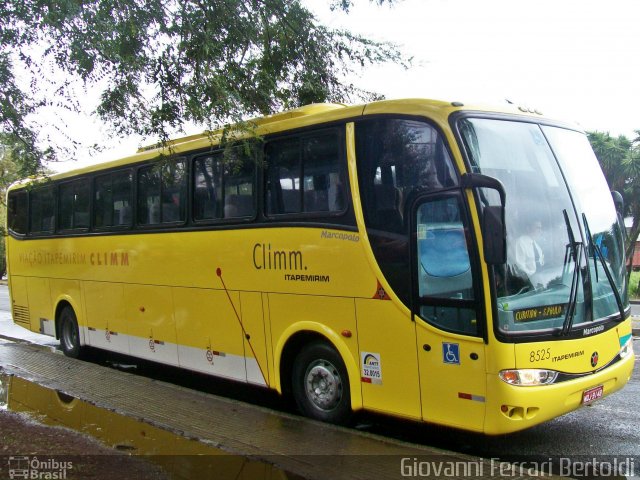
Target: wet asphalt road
4,298
608,427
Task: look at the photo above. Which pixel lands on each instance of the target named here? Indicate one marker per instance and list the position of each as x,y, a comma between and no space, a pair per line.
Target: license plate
592,394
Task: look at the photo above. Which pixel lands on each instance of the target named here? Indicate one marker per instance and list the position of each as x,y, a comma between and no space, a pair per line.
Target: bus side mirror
494,229
493,235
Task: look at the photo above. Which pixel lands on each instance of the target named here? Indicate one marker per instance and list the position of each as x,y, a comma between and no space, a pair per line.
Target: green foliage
160,63
634,285
619,158
347,4
611,153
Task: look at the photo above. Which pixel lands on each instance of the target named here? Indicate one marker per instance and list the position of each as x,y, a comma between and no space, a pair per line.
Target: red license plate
592,394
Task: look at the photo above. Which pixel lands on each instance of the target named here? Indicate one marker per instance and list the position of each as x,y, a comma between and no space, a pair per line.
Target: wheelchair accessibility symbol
451,353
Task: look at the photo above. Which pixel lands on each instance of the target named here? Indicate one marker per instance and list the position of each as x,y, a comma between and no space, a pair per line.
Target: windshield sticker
539,313
371,368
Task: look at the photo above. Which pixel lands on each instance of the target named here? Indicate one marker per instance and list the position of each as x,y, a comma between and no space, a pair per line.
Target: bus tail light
528,377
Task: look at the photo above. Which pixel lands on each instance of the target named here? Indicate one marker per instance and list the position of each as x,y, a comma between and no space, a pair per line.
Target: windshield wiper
598,252
591,245
576,251
573,293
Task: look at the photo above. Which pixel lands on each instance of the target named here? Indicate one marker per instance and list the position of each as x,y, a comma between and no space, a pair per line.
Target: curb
26,342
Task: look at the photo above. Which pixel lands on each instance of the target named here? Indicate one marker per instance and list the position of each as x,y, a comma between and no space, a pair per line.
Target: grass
634,292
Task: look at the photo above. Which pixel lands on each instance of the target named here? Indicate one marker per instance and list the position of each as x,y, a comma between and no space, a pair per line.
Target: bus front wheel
321,384
69,333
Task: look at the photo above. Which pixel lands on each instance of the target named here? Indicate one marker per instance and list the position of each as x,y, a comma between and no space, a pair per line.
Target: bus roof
308,115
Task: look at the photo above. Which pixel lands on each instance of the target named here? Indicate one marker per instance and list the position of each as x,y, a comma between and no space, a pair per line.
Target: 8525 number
539,355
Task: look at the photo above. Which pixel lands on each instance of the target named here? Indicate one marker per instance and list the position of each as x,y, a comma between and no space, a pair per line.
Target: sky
575,60
569,58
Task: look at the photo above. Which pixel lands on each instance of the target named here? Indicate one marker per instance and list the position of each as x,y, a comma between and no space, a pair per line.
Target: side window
305,175
444,276
322,179
149,196
42,212
397,159
207,188
112,200
74,205
224,186
162,193
283,177
17,212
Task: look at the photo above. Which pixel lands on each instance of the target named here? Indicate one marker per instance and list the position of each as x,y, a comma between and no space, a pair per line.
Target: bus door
451,351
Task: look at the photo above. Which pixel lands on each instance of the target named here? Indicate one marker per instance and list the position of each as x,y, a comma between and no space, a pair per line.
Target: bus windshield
547,278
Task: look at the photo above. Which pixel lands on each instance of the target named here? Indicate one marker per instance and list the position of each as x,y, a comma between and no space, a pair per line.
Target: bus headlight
626,349
528,377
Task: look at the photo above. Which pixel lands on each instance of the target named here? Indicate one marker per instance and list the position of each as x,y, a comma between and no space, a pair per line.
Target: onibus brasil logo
35,468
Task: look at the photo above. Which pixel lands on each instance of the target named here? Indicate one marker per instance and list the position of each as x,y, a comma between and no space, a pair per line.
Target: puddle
4,391
180,457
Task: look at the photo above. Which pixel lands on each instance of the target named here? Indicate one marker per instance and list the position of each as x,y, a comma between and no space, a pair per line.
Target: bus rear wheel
320,384
69,333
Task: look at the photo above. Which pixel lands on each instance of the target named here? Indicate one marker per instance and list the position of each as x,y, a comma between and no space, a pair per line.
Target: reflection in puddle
181,457
4,391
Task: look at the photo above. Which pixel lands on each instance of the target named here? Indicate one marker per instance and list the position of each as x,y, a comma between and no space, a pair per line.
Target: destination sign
538,313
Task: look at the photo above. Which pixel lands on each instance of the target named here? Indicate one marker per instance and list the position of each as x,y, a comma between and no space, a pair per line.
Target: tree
160,63
619,159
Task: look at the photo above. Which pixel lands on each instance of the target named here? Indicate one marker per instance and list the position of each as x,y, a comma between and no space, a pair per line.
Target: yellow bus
423,259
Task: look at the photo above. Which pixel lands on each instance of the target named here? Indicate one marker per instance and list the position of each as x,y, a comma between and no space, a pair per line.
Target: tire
69,333
320,384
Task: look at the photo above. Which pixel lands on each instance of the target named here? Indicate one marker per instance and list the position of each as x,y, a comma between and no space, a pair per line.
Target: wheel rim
323,385
69,335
